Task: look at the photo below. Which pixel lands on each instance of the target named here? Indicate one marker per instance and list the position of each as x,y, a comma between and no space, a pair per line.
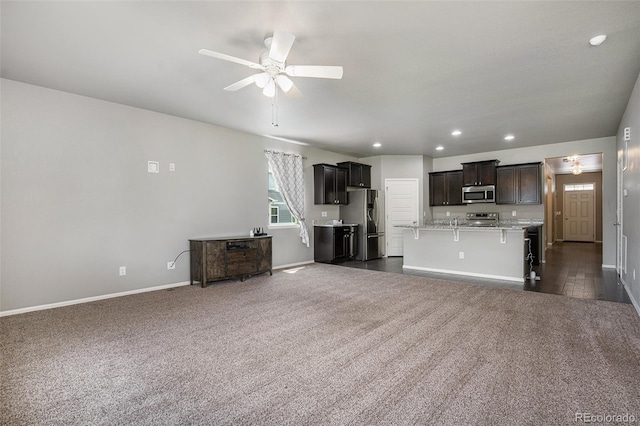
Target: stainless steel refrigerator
364,210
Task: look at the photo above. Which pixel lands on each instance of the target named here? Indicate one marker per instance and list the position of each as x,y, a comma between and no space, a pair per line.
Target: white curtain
288,173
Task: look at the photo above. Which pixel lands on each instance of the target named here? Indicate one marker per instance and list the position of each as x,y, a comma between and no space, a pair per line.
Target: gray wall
631,182
77,202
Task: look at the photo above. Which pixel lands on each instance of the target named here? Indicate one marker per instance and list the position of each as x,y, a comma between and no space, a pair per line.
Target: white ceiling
413,71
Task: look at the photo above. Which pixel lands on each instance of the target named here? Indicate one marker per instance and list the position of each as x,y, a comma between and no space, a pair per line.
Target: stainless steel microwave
479,194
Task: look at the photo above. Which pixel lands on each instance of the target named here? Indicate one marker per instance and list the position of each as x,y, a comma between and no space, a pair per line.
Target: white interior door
579,215
620,247
401,208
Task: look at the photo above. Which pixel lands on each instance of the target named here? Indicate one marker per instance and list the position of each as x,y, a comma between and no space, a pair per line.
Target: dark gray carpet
323,345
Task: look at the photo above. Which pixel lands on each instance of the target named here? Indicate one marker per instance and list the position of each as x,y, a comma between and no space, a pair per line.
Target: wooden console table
215,259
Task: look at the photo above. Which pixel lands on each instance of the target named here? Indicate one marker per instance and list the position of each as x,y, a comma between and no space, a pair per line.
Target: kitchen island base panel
477,252
466,274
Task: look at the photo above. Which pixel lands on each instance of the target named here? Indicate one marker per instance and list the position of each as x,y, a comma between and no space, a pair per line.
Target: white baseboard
467,274
633,301
293,265
90,299
604,266
112,295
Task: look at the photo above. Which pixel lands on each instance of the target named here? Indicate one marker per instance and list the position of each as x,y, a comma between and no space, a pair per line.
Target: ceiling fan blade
317,71
281,45
229,58
242,83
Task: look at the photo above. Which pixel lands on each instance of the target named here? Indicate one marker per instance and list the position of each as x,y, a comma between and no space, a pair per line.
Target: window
579,187
275,214
279,214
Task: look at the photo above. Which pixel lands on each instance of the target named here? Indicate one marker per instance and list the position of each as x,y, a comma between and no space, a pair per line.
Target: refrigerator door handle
375,206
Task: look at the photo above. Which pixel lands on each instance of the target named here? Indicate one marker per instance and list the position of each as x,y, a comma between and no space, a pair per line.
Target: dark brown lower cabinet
215,259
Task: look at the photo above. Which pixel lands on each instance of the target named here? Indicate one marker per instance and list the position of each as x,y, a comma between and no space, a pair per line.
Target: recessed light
598,40
377,145
509,138
439,148
456,133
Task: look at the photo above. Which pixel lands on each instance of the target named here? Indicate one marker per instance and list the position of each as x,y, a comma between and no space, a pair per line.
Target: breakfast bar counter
496,252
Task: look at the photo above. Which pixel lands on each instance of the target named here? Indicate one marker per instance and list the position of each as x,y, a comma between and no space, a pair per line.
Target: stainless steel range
482,219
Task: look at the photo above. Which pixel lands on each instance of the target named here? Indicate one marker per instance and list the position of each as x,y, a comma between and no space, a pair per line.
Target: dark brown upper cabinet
479,173
358,175
445,188
519,184
329,184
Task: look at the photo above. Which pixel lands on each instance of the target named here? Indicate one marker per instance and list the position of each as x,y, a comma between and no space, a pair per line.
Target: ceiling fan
275,72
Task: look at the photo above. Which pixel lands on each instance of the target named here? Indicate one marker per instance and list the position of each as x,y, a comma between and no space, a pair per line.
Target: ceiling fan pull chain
274,109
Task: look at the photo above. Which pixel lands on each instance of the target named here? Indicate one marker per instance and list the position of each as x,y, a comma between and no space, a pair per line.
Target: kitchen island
496,252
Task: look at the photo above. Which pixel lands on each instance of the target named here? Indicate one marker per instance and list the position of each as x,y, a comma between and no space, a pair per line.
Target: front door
401,200
579,212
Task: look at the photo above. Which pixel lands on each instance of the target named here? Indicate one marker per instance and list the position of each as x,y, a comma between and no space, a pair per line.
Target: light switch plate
172,167
153,167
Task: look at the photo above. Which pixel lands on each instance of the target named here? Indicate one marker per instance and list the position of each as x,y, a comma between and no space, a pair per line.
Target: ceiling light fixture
377,145
598,40
439,148
456,133
576,169
509,138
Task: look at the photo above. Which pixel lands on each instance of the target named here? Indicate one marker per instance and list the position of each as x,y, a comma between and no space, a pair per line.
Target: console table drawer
241,255
242,268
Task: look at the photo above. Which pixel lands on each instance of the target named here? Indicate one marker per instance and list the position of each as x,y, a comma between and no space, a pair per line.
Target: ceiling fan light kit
272,63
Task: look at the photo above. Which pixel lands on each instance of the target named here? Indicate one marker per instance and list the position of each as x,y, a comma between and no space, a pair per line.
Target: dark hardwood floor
570,269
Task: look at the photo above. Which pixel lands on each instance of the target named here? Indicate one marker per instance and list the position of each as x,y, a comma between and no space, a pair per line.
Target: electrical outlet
513,213
171,265
153,167
448,214
123,270
324,214
461,255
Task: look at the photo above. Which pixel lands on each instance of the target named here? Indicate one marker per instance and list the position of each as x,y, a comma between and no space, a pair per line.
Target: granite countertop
332,223
463,224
